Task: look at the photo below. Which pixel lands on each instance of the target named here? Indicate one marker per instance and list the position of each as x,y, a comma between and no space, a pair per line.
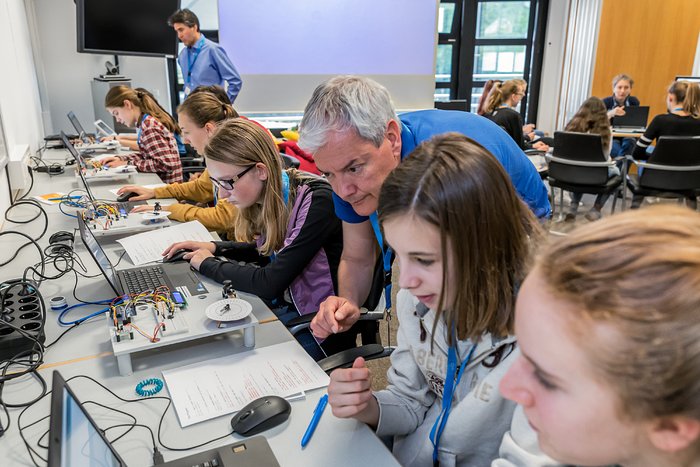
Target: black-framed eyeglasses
228,184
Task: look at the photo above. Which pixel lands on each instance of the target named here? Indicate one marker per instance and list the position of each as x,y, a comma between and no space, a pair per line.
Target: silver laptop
175,276
76,440
634,120
87,143
104,129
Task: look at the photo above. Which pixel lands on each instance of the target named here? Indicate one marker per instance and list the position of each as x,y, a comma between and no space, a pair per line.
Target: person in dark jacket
288,238
615,105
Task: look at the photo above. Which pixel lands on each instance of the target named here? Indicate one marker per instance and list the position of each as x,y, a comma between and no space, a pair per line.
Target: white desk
87,351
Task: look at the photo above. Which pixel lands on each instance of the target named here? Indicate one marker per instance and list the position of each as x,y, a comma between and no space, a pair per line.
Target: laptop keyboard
144,279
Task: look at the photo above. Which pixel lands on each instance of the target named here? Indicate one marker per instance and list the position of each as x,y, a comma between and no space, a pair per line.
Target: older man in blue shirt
202,61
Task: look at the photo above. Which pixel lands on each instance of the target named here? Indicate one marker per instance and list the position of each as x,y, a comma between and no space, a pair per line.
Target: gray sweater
480,420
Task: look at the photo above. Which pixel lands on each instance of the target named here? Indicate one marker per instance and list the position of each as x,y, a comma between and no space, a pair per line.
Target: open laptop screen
98,254
78,127
635,117
74,439
79,160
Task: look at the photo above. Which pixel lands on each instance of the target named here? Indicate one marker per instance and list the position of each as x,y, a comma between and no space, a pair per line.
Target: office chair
579,164
341,348
672,171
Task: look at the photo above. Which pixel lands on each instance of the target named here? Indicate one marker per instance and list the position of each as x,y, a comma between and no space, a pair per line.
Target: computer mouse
177,256
126,196
260,415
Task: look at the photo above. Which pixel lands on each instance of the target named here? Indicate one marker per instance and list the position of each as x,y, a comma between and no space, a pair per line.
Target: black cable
47,346
31,240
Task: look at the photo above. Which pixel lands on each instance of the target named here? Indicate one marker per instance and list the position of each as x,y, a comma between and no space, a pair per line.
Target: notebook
75,439
634,120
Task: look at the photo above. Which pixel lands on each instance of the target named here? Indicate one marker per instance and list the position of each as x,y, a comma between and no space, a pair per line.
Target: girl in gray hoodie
462,239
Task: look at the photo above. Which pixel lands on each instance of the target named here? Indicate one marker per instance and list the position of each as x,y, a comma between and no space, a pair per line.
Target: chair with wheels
578,164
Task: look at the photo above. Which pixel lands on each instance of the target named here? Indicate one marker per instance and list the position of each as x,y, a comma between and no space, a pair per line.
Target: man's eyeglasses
228,184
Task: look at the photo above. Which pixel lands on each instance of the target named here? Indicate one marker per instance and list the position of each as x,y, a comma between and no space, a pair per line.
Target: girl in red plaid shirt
158,151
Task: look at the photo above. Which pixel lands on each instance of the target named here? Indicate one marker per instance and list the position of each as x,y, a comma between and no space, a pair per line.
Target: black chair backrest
458,104
673,151
583,147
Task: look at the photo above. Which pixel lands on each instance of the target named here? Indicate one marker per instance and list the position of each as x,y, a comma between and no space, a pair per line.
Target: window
489,39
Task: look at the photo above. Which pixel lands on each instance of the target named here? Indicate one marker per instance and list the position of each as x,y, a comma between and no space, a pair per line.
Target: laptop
103,173
634,120
104,129
76,440
175,276
87,142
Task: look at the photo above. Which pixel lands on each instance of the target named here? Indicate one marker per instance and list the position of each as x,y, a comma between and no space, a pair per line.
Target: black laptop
634,120
76,440
79,128
174,276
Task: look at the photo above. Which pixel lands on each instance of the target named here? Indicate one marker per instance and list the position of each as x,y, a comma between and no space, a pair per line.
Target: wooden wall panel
650,40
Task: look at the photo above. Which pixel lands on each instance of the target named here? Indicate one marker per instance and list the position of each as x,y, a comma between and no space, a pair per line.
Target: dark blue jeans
305,338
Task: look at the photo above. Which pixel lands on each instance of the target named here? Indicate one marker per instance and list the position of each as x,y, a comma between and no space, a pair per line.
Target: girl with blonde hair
288,240
607,324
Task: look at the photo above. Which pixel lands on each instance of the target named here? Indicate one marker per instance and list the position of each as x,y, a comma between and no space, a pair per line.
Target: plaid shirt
157,152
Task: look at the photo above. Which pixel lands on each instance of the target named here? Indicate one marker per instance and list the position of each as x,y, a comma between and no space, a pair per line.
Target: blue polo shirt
422,125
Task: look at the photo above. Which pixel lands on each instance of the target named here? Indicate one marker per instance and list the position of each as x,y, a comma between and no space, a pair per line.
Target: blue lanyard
386,255
138,131
285,195
451,384
191,59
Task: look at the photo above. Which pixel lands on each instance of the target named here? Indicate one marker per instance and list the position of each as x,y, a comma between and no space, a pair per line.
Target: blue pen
322,402
64,197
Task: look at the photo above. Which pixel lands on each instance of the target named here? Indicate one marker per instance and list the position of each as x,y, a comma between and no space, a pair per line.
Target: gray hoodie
480,418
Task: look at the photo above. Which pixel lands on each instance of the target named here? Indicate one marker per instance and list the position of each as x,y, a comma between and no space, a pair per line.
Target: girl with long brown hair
158,150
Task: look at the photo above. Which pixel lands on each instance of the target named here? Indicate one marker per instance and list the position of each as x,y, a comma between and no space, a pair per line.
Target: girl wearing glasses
158,150
288,239
462,239
198,116
607,323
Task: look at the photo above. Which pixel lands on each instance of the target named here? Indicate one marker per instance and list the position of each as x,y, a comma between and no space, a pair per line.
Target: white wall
550,85
20,108
67,75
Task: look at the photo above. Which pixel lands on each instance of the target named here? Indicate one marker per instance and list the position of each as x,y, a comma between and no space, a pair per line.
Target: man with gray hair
351,128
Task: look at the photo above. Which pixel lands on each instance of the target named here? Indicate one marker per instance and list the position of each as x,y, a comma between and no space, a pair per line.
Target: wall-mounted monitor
126,27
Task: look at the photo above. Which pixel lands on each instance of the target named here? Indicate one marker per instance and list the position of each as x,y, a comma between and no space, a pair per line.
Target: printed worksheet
149,246
206,390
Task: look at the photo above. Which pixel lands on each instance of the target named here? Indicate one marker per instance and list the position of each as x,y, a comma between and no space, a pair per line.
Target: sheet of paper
210,389
148,246
155,185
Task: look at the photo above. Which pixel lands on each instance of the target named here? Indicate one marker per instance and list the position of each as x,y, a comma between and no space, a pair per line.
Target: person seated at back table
199,116
607,324
356,138
682,119
500,107
591,117
158,151
287,240
615,106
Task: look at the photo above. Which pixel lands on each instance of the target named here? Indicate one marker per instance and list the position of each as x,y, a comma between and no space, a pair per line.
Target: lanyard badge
452,379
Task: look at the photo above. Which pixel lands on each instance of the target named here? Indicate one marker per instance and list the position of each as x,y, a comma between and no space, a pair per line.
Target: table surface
86,350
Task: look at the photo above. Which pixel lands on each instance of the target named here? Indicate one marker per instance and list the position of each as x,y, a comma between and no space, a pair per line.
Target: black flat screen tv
126,27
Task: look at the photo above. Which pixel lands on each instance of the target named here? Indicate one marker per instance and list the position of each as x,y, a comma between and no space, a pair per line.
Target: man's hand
350,395
336,314
142,192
